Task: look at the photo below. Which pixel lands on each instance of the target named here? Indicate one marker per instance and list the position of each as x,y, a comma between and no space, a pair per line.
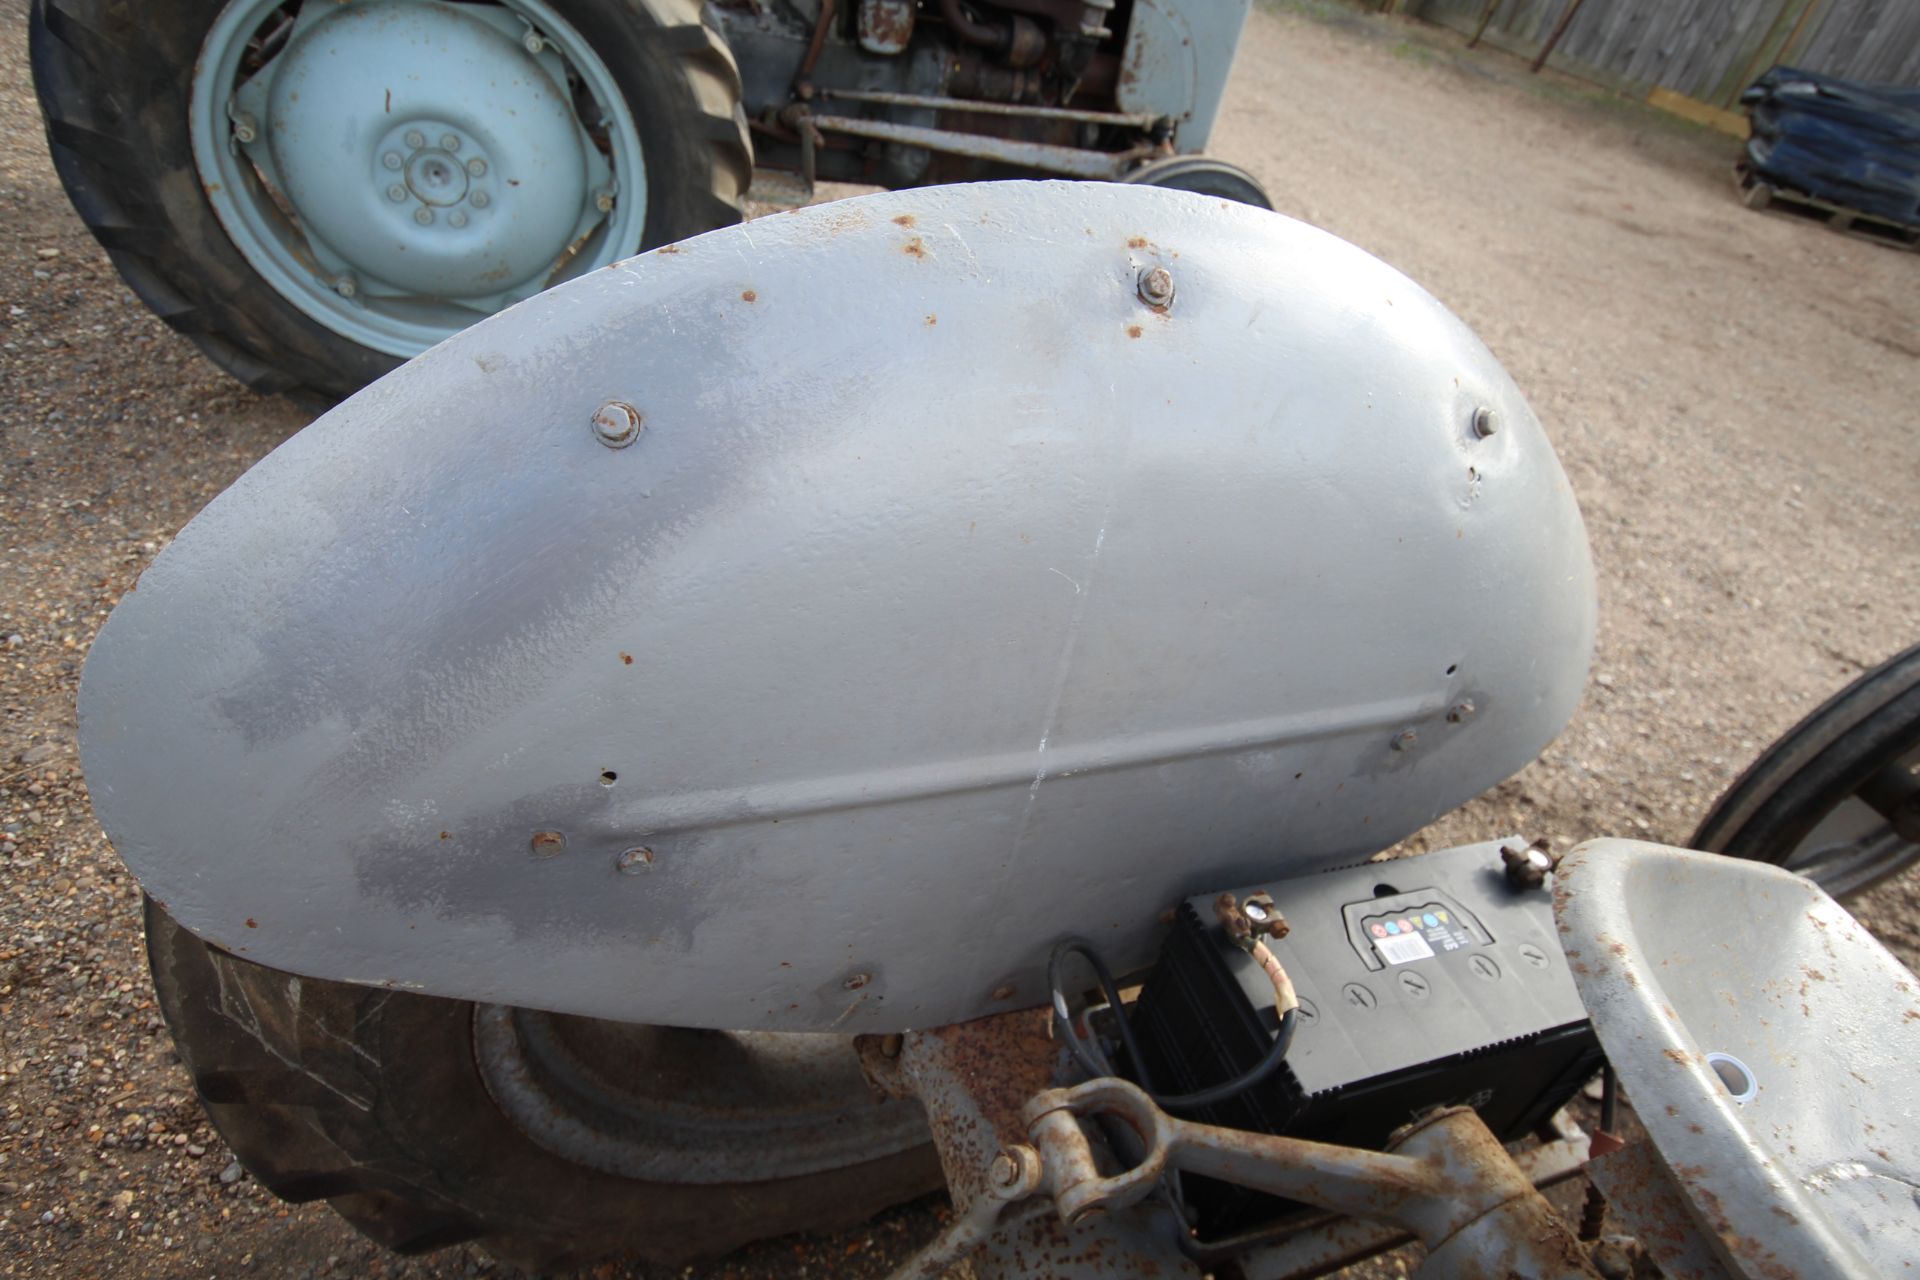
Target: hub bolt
603,200
449,142
457,219
423,216
345,286
480,199
416,139
477,167
245,127
392,160
533,43
396,193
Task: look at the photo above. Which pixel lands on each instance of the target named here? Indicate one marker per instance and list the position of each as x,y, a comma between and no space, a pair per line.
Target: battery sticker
1401,948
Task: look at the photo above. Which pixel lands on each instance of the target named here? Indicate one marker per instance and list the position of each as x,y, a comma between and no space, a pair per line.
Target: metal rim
499,192
672,1104
1851,848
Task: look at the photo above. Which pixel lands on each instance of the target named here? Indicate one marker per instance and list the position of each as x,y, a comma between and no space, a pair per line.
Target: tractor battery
1424,982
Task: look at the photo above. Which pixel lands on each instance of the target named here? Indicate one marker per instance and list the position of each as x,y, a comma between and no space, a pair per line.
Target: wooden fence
1706,50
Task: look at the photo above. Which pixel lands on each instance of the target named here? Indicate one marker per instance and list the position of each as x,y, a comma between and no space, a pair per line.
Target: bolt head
416,139
1460,713
1003,992
392,160
449,142
603,201
547,844
1406,740
532,42
396,193
457,219
616,424
345,286
1005,1171
477,167
1156,286
245,129
635,861
480,199
856,981
423,216
1485,422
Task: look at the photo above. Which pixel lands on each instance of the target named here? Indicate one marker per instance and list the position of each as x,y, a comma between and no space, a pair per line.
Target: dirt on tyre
310,241
381,1102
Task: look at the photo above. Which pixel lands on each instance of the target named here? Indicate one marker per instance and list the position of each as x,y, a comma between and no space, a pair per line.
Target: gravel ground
1733,396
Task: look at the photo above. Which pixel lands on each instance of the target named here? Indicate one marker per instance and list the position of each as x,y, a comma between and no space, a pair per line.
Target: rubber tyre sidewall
372,1099
1775,805
115,81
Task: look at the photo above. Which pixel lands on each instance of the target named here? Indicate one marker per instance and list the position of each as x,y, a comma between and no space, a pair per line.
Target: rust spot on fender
252,923
932,318
626,658
904,220
1134,331
668,248
915,248
1137,242
748,295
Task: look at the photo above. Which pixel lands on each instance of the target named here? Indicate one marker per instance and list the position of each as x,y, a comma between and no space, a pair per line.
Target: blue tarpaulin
1851,144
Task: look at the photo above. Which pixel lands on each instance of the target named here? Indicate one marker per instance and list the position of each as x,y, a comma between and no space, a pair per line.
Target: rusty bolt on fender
635,860
1156,287
1406,740
856,981
1460,713
546,844
616,424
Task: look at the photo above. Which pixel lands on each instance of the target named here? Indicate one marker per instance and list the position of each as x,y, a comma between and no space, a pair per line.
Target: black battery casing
1489,1018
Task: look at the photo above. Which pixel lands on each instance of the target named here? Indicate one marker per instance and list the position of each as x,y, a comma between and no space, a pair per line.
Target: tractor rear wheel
314,191
551,1140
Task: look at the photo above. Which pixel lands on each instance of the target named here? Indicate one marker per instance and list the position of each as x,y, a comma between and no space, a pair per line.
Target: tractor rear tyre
389,1105
313,191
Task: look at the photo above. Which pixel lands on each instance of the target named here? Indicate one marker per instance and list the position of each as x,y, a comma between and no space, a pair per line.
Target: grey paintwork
1679,955
951,599
1176,60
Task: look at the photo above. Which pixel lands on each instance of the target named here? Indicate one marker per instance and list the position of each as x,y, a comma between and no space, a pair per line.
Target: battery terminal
1248,924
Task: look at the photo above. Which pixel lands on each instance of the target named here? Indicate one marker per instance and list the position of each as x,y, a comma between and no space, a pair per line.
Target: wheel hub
437,177
426,149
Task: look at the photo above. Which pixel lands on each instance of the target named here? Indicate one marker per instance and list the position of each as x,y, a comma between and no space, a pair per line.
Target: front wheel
1837,798
315,190
551,1140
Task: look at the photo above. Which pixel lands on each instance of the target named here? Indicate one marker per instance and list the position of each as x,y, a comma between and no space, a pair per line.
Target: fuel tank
803,626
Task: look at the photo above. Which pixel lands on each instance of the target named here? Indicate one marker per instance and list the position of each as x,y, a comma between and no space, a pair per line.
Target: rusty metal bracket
1445,1178
1011,1141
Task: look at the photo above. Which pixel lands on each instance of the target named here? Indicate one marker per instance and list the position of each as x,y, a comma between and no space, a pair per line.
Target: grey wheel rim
398,169
670,1104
